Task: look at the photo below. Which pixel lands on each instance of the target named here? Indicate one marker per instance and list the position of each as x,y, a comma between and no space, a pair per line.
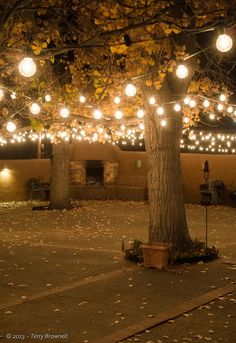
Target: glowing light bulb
11,126
97,114
130,90
117,100
1,93
141,126
152,100
163,123
140,113
212,116
118,114
192,103
186,120
186,100
64,112
224,43
47,97
222,97
182,71
13,95
206,103
27,67
82,99
177,107
230,109
160,110
35,108
220,107
122,127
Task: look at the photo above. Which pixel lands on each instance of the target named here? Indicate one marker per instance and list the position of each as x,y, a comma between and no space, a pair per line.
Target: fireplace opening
94,173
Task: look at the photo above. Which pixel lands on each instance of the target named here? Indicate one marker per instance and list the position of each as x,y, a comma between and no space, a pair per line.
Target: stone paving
64,278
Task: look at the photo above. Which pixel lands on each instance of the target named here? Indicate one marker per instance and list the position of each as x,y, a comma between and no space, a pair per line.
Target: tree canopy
95,48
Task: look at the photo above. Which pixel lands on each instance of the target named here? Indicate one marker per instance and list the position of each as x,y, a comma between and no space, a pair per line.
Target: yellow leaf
44,45
48,40
148,82
99,90
96,73
36,49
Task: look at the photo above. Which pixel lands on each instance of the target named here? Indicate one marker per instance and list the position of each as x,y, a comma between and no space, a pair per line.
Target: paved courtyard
64,278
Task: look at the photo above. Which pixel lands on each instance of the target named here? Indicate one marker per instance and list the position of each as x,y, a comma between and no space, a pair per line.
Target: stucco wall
131,172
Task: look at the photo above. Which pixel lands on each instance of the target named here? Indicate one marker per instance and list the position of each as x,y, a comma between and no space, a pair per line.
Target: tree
92,48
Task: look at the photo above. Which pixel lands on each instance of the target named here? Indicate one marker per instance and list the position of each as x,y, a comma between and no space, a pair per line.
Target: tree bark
59,185
166,202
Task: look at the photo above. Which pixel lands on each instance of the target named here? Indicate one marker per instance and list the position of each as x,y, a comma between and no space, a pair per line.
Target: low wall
131,180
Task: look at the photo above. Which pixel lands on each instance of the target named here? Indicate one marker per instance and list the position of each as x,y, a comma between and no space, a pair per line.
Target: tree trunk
167,212
59,185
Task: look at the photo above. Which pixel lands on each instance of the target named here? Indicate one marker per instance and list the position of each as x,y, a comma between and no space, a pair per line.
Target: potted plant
156,254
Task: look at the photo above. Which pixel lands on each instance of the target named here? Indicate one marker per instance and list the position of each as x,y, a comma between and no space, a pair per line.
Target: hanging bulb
130,90
224,43
163,123
177,107
27,67
192,103
13,95
11,126
182,71
82,99
117,100
160,110
152,100
220,107
140,113
230,109
206,103
97,114
35,108
64,112
118,114
186,100
47,97
212,116
222,97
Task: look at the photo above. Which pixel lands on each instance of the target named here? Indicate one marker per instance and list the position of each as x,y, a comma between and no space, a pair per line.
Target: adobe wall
131,180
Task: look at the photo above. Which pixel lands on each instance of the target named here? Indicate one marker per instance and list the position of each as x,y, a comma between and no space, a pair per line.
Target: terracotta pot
156,254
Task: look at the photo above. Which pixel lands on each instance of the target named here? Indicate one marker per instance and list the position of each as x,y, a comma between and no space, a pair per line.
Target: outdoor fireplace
94,173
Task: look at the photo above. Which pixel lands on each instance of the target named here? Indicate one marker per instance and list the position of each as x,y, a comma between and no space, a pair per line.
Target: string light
35,108
97,114
118,114
13,95
160,110
152,100
192,103
117,100
48,97
224,43
140,113
177,107
212,116
220,107
182,71
130,90
11,126
222,97
64,112
163,123
186,100
82,99
206,103
27,67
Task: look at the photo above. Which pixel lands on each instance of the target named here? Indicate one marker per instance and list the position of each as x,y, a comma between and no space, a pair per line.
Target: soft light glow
224,43
64,112
160,110
118,114
212,116
141,126
163,123
97,114
152,100
5,173
35,108
177,107
1,93
186,100
220,107
192,103
182,71
130,90
117,100
11,126
186,120
230,109
206,103
13,95
48,97
222,97
27,67
82,99
140,113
